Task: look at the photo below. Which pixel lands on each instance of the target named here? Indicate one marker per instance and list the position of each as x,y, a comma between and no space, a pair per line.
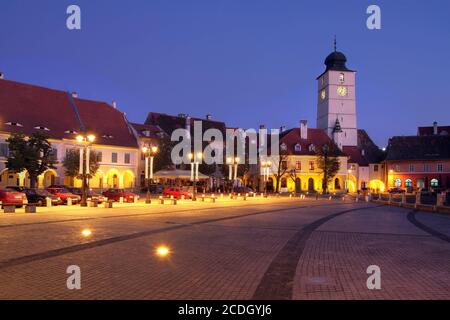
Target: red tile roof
355,155
429,131
33,106
316,137
153,130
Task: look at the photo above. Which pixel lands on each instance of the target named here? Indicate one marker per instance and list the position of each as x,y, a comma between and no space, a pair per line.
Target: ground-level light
162,251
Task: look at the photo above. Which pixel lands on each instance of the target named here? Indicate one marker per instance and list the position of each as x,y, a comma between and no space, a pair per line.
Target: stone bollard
440,199
403,198
221,196
203,198
418,198
48,202
121,200
329,198
136,199
182,197
357,199
367,198
69,201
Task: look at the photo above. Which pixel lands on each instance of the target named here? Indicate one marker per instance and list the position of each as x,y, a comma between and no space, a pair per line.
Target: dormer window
14,124
312,147
283,147
298,148
71,132
146,133
42,128
107,136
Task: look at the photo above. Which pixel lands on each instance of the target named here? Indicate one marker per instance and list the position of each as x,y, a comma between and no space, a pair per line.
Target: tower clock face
342,91
323,94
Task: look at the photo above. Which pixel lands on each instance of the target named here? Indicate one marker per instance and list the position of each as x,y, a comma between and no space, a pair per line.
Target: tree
328,162
71,164
33,154
163,158
281,168
293,176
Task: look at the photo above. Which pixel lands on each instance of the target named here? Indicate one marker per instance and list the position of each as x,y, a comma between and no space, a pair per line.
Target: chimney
304,129
435,128
261,126
2,75
282,129
74,94
182,115
188,123
208,117
114,104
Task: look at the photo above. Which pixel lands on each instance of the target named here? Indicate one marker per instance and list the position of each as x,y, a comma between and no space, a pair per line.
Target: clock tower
336,101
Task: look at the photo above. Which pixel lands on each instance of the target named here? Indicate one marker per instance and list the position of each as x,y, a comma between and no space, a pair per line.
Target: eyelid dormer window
42,128
107,136
14,124
71,132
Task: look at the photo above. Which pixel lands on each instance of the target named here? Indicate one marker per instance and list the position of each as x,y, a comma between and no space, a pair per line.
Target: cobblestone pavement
277,248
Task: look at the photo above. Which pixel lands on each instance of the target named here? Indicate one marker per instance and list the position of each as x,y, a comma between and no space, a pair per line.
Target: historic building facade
62,116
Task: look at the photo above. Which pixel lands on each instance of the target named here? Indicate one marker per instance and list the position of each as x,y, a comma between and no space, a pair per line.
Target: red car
116,194
64,194
177,193
10,196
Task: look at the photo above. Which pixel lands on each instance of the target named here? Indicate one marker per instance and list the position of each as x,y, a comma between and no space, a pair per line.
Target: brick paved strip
278,281
434,233
134,215
79,247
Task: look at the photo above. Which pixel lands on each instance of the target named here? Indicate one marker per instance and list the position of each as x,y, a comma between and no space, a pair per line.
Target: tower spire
335,43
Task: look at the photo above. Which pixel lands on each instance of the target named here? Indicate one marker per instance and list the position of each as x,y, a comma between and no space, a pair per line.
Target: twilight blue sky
246,62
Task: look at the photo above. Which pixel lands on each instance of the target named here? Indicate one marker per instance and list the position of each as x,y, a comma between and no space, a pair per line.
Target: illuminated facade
62,116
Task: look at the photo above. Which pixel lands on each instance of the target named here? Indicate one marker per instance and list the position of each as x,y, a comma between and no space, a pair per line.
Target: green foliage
33,154
329,163
163,158
71,164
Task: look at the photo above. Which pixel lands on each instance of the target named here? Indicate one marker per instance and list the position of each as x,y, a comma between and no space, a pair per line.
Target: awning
177,174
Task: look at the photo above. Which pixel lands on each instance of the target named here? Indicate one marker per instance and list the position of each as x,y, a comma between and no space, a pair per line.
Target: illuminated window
434,183
114,157
398,183
298,165
408,183
99,156
311,165
127,158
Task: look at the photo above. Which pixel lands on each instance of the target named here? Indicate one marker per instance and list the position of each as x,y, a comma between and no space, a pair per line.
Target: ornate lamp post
233,163
195,162
349,171
149,154
84,168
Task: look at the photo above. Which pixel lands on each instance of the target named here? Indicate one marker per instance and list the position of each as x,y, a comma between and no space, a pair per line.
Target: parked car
177,193
64,194
91,195
39,196
116,194
396,190
13,197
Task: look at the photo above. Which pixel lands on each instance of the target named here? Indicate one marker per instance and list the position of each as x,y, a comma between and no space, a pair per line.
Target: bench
212,198
8,208
171,200
31,207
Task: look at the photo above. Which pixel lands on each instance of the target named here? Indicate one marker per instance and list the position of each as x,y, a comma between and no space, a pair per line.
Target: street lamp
265,166
149,154
84,168
195,162
233,162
